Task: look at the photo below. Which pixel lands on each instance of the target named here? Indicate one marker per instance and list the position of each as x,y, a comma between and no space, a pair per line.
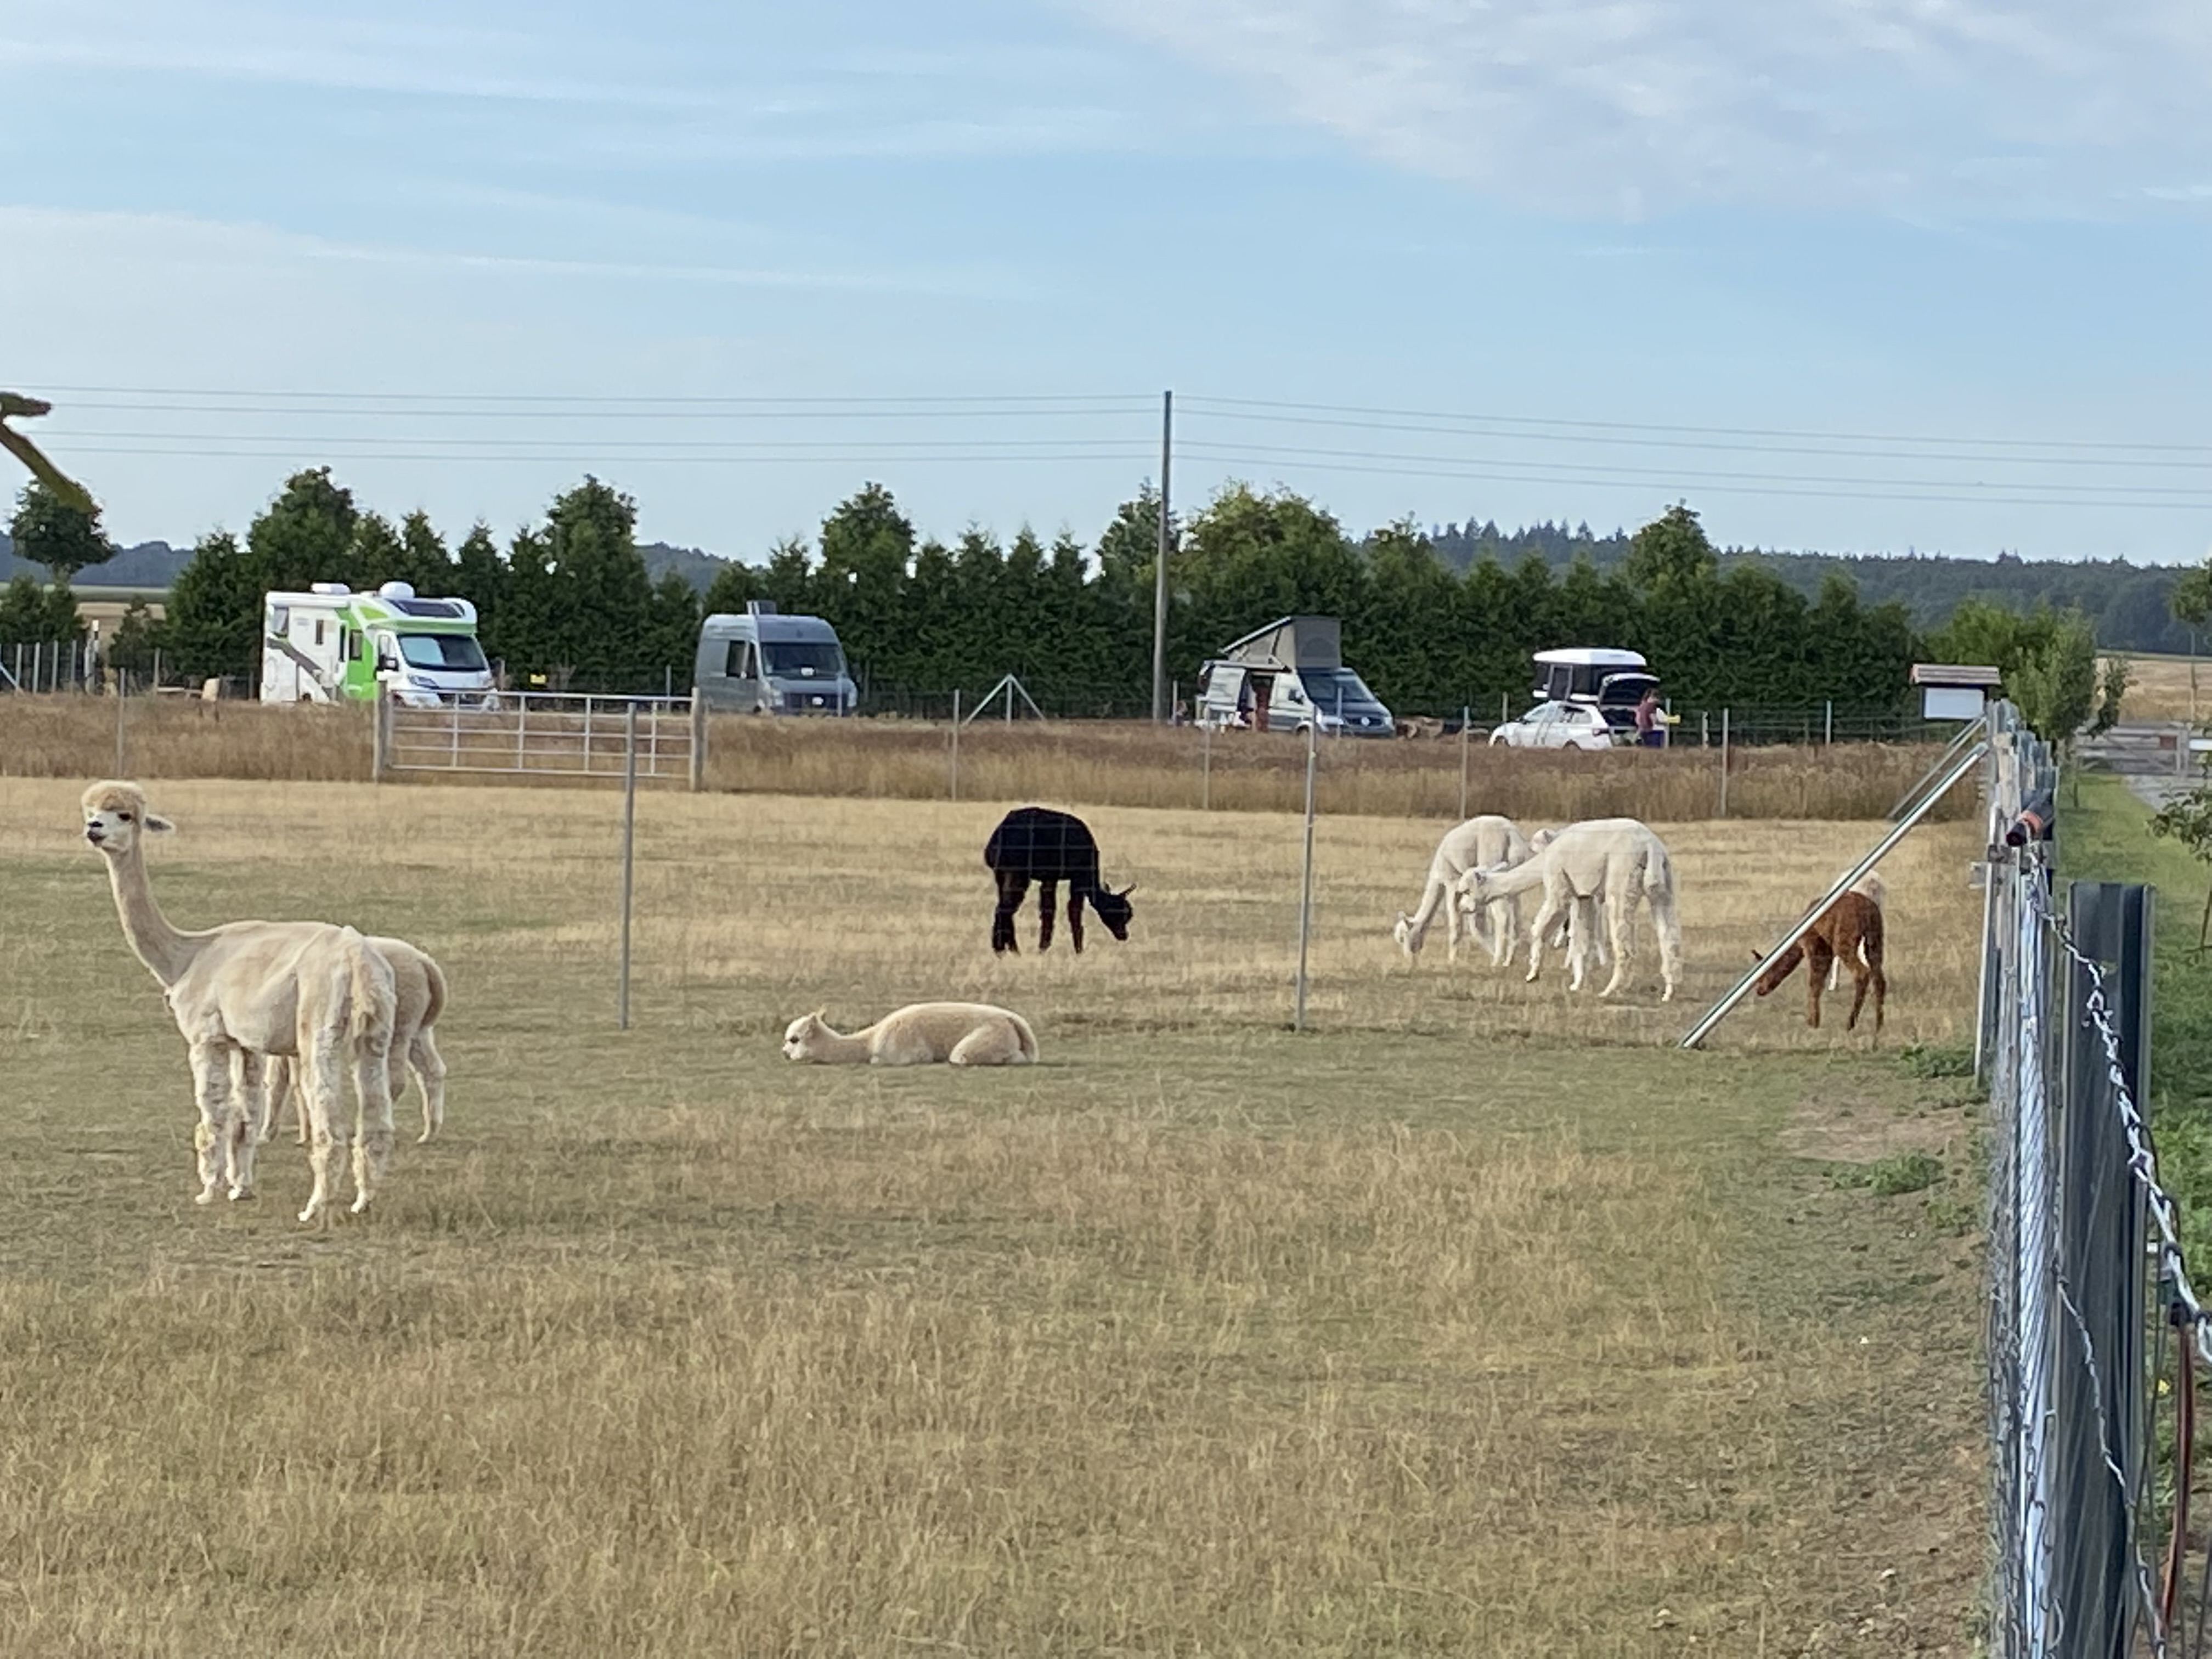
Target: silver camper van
765,663
1294,669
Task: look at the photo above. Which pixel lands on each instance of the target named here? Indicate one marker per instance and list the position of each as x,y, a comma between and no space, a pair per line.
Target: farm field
2160,689
1476,1319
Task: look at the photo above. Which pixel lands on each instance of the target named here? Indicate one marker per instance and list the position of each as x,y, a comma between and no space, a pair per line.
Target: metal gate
547,734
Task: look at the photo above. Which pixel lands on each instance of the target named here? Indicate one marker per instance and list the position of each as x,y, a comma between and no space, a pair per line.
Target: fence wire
2097,1334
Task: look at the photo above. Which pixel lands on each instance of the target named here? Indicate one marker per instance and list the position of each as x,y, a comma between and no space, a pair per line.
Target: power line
1123,400
2202,465
1706,431
1677,474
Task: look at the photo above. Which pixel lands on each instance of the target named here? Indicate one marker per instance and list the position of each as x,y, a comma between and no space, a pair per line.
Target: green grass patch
2106,837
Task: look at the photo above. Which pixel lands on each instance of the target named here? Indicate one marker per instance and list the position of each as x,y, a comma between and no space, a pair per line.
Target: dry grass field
2169,689
1475,1319
1101,763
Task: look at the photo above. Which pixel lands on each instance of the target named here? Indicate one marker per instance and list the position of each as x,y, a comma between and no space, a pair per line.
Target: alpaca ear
159,826
1126,892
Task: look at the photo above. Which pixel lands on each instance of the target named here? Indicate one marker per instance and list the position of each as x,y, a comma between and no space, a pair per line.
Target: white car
1561,725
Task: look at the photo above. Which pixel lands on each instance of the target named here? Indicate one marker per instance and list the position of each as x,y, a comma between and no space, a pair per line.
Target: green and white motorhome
332,644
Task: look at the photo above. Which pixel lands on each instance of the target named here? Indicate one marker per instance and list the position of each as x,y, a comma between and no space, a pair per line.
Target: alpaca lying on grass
1616,860
1486,840
920,1034
421,985
1847,931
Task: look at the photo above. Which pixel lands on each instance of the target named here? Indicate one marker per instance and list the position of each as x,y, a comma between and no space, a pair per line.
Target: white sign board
1950,702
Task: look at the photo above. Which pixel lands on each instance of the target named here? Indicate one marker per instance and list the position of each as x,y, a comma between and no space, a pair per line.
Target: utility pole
1160,568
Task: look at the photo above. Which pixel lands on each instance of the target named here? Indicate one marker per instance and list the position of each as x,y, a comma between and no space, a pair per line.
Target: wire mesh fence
2096,1334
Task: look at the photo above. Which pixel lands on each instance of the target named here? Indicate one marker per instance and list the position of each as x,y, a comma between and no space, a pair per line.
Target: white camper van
1293,668
766,662
330,644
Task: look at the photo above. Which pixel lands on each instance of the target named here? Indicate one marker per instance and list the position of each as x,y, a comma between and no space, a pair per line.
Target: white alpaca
421,985
246,990
922,1033
1486,840
1617,861
1584,928
1871,886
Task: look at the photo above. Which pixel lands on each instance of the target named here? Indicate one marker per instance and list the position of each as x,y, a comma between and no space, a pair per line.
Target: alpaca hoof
237,1193
307,1214
206,1195
423,1139
359,1204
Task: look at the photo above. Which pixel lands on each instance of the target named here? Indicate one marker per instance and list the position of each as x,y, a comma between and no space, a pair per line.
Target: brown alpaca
1847,931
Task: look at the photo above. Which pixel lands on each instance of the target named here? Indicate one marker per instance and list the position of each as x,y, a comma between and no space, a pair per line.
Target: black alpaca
1034,843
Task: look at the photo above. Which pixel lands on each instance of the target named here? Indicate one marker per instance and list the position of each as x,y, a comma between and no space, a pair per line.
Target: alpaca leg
1075,919
987,1045
372,1144
1820,954
1455,924
428,1067
1861,980
1542,931
1881,982
1620,921
248,1109
211,1090
277,1083
321,1085
1047,912
1012,888
1667,922
1505,924
1579,946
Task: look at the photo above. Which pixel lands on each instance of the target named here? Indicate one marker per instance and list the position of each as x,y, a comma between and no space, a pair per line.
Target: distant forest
2125,603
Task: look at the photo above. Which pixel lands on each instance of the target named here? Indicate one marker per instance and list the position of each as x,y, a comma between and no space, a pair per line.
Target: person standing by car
1649,733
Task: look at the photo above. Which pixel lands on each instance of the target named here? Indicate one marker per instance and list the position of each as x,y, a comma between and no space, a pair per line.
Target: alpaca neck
164,949
1520,879
1438,889
829,1046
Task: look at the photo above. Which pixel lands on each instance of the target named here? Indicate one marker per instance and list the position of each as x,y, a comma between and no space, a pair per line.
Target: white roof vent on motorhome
328,587
396,591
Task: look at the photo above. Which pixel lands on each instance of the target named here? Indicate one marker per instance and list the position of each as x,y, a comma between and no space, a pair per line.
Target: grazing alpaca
1034,843
246,990
1849,932
421,985
922,1033
1617,861
1870,885
1488,840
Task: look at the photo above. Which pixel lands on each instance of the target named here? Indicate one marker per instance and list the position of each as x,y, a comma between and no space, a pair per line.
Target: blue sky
1857,274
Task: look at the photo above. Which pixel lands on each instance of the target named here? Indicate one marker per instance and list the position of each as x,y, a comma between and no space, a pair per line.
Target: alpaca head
799,1037
1403,932
1473,888
1542,839
114,813
1113,909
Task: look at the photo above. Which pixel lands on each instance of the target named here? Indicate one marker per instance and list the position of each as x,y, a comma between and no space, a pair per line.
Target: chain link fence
2096,1334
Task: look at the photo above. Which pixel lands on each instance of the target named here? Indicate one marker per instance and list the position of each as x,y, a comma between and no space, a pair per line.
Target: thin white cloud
1626,105
186,242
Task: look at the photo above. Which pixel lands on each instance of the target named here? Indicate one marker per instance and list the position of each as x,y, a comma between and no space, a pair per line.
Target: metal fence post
120,771
379,737
629,828
1724,762
698,740
1305,880
956,744
1205,767
1466,722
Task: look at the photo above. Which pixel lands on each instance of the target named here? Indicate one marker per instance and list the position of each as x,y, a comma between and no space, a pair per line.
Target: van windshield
1327,686
455,654
803,658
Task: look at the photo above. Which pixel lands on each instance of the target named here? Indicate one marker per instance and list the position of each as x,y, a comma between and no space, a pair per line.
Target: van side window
319,630
352,637
280,620
740,665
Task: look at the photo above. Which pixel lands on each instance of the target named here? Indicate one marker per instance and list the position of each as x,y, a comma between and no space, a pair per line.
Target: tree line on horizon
570,601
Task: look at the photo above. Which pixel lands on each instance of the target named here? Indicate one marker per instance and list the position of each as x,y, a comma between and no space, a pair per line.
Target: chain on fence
2097,1335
